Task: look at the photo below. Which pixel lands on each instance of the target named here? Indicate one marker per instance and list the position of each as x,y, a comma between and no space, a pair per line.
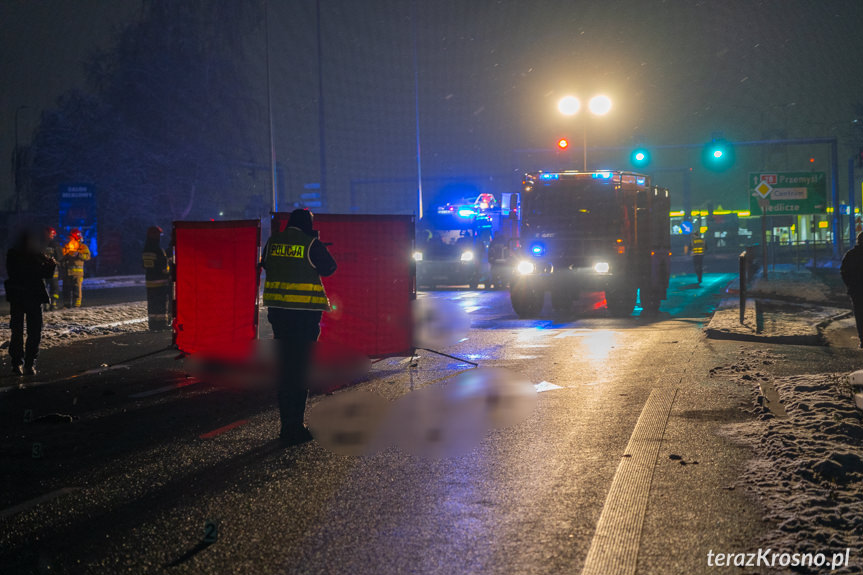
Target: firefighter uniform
53,250
157,278
294,261
75,253
698,256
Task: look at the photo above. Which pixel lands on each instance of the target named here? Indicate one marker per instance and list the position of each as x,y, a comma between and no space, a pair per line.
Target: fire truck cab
592,231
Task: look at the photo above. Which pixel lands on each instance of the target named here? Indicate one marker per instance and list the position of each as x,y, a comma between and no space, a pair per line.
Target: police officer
698,255
75,253
295,260
852,274
157,278
53,250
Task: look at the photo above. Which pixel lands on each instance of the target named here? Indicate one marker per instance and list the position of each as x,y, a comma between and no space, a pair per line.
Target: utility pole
16,161
321,128
417,113
273,180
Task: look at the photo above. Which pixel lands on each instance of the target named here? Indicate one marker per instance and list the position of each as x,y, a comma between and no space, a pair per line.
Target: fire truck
592,231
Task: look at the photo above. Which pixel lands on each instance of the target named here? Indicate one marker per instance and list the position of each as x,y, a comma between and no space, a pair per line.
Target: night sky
490,75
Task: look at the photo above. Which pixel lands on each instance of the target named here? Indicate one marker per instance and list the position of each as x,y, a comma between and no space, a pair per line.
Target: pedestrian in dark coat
53,250
28,268
852,274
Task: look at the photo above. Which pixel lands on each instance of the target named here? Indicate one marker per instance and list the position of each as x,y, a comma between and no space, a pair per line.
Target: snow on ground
64,326
787,282
807,468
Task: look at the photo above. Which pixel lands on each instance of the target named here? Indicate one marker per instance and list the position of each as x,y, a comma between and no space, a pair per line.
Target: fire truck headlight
467,256
418,256
601,267
525,267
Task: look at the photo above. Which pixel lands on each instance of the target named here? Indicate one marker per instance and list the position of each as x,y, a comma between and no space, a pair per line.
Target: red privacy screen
216,312
372,290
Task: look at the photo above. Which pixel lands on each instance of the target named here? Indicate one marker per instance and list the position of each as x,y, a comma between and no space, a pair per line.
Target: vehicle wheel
650,302
526,299
621,300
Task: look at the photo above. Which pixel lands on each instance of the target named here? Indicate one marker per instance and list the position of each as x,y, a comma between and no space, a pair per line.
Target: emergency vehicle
592,231
452,243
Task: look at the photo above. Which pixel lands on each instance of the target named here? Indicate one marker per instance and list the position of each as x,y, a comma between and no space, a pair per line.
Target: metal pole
584,132
417,112
687,194
16,160
321,130
834,189
273,180
852,204
742,274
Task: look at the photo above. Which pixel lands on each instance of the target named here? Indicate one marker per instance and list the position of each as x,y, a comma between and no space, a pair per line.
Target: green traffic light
640,157
718,155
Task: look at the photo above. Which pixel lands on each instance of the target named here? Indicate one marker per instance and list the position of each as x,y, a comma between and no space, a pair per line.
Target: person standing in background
28,268
75,253
53,250
157,276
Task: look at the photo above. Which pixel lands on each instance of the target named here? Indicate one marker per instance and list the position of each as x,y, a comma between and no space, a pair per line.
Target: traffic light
718,155
640,158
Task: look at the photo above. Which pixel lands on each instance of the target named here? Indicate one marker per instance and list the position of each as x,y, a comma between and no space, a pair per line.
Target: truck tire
650,301
526,299
621,300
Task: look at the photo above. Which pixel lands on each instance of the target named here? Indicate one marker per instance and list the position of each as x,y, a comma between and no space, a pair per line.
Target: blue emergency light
602,175
537,249
549,176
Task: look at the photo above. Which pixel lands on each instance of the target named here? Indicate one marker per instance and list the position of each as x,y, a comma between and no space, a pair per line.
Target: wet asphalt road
153,456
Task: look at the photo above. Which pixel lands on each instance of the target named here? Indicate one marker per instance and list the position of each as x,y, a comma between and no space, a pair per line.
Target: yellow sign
287,250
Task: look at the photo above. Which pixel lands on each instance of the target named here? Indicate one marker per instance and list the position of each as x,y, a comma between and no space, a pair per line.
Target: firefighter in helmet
698,255
157,278
295,260
53,250
75,253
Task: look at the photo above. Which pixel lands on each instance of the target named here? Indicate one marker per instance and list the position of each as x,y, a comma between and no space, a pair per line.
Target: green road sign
787,193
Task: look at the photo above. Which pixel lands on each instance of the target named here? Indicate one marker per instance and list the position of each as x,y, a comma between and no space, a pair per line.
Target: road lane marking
27,505
223,429
614,548
545,386
164,389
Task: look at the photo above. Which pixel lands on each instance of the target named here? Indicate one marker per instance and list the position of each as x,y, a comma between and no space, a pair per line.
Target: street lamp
599,105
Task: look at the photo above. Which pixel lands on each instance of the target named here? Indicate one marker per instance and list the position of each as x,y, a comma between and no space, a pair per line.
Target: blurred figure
698,255
28,268
852,274
295,261
75,253
157,278
53,250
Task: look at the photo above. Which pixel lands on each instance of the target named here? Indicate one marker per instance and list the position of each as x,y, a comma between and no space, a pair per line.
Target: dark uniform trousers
157,307
33,313
698,263
295,332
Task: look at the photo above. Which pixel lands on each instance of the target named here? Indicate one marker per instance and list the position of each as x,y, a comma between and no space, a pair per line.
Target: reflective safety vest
155,268
292,280
698,247
75,253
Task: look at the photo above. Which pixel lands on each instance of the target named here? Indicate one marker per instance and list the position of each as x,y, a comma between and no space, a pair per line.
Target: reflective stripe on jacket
698,247
292,280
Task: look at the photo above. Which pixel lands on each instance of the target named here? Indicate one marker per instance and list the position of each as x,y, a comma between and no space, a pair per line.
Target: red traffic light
562,143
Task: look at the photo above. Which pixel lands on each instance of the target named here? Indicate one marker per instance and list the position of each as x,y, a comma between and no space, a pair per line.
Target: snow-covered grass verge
64,326
807,469
791,284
